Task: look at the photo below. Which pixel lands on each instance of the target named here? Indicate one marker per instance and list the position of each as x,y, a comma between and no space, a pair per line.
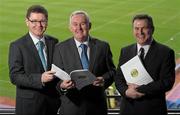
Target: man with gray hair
84,52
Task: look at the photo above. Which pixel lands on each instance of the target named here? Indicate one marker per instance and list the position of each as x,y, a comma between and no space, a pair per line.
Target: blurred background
111,21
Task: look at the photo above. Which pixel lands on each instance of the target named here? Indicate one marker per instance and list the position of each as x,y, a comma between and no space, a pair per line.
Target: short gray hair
79,12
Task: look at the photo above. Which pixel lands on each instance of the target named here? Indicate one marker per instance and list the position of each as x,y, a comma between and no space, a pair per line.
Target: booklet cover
60,73
81,77
134,72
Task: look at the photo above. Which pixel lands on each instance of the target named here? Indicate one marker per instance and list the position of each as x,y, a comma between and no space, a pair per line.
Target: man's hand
131,92
67,84
99,81
47,76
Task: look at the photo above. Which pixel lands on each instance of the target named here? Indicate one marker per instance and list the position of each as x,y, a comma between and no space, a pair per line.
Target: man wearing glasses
30,59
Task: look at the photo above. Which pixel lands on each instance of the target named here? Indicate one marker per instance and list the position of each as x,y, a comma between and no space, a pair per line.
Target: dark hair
36,9
145,17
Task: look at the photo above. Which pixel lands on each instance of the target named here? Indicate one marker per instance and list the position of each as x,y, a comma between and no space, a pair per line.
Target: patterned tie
84,58
141,53
41,54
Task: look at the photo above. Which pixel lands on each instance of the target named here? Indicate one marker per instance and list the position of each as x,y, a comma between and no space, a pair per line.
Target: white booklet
81,77
134,72
60,73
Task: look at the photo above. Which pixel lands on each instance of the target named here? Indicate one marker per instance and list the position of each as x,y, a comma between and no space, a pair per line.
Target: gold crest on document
134,73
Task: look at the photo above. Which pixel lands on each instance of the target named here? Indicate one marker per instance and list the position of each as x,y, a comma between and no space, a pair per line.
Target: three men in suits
91,99
159,61
36,92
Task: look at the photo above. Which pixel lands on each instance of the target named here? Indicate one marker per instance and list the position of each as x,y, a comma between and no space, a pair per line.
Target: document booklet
134,72
81,77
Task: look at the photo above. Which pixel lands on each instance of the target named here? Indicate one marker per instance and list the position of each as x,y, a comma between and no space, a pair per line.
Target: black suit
160,64
90,100
32,97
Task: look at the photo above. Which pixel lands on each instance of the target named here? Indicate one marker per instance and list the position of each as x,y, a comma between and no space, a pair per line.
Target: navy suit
32,97
160,64
91,99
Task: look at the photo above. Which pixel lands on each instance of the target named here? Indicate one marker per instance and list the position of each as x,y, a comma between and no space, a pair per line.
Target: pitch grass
111,21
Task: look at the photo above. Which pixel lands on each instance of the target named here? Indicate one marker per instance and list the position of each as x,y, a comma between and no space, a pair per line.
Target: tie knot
141,53
84,47
141,50
41,44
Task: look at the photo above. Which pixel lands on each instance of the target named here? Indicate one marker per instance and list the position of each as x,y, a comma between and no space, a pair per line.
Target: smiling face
142,31
79,26
37,24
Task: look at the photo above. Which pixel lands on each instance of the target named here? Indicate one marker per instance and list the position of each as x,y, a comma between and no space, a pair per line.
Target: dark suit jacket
90,100
160,64
25,72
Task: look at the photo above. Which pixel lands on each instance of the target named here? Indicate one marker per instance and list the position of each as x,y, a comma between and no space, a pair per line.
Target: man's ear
90,25
69,27
26,21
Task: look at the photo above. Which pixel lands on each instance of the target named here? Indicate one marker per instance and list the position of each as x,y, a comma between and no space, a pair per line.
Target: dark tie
84,58
41,54
141,53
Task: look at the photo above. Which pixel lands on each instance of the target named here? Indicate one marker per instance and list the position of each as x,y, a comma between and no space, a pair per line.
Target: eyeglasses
35,22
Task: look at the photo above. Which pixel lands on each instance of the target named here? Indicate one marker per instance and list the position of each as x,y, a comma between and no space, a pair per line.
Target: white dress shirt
80,49
36,40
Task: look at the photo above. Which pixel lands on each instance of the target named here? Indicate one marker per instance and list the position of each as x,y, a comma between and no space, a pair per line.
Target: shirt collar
146,47
35,39
79,43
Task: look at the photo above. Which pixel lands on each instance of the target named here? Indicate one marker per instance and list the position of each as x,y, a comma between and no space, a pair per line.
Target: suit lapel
75,54
33,50
151,53
49,51
133,51
93,49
